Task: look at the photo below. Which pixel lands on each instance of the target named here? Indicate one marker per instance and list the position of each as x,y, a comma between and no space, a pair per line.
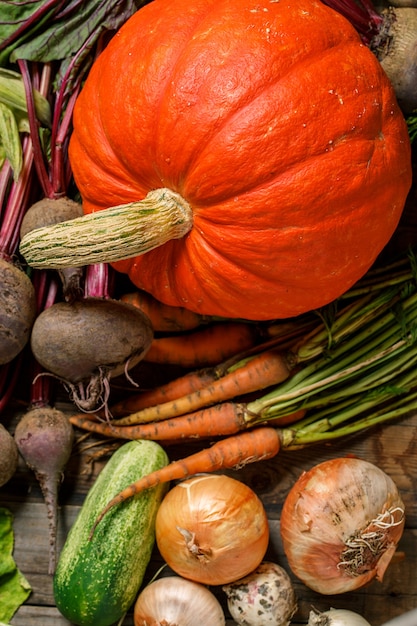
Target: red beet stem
362,15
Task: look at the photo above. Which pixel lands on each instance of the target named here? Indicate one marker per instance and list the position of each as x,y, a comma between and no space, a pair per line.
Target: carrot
219,420
195,380
164,318
172,390
233,452
252,374
222,419
205,346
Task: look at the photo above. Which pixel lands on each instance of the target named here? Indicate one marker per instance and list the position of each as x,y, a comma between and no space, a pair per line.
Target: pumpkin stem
117,233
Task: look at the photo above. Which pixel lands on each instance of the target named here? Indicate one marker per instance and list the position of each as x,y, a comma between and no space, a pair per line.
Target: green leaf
12,93
412,127
2,161
59,35
14,588
10,139
20,21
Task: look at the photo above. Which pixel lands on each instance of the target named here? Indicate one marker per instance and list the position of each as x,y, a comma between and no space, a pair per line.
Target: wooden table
392,447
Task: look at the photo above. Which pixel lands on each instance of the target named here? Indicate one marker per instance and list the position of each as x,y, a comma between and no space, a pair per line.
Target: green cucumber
97,580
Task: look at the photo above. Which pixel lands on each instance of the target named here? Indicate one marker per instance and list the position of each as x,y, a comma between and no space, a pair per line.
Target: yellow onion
212,529
340,525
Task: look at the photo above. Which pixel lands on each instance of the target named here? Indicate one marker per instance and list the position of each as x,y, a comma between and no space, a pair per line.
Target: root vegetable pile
345,378
221,216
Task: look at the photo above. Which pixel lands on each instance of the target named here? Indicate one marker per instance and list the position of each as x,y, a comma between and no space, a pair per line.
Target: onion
336,617
266,596
406,619
175,601
212,529
340,525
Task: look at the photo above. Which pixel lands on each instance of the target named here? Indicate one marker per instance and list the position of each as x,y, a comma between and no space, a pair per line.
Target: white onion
336,617
406,619
175,601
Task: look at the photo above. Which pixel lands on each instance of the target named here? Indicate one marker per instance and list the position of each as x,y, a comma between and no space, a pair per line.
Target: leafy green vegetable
412,127
10,139
14,588
14,117
54,30
12,94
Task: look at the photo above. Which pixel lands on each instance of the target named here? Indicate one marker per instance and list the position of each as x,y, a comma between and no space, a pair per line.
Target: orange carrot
233,452
205,346
222,419
164,318
172,390
219,420
190,382
252,374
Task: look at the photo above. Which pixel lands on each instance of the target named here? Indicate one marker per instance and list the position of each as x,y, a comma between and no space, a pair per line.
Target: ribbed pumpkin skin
278,127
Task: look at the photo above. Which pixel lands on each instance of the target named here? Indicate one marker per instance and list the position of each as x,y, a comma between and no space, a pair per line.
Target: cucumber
97,580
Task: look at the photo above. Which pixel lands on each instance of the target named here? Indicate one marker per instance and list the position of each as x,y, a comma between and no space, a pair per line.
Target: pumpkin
279,135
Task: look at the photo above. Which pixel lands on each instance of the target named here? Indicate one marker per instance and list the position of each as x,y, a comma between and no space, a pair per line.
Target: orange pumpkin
277,126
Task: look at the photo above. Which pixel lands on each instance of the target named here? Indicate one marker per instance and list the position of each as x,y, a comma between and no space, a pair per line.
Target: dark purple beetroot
86,342
9,456
17,310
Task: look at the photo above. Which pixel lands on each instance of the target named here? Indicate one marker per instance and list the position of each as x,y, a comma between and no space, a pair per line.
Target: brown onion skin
328,505
230,526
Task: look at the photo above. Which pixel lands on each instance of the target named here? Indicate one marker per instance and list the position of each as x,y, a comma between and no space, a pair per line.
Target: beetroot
86,342
9,456
17,310
49,211
44,437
